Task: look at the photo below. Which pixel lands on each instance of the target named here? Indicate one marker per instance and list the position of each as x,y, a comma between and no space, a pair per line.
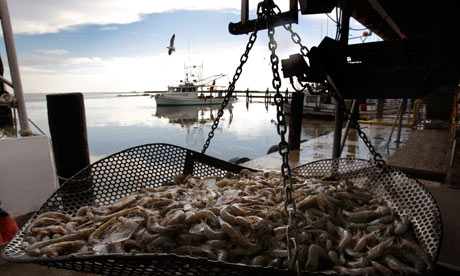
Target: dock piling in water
67,123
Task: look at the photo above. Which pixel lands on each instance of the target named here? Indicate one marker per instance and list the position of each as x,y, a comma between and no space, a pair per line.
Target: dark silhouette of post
295,121
67,123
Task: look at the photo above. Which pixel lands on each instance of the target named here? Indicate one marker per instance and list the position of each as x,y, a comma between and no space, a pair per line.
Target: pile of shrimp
240,218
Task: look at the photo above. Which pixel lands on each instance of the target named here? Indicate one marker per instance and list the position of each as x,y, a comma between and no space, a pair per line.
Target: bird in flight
171,45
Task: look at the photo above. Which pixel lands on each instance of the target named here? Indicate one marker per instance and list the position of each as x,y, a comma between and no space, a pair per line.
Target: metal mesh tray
153,165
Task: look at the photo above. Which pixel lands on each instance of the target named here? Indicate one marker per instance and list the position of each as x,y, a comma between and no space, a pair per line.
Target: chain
378,159
283,147
231,87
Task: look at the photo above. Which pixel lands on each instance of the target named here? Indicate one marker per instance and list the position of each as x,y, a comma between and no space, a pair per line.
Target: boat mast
14,69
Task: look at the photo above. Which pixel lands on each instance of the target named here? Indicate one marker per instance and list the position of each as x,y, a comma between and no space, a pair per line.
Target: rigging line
36,126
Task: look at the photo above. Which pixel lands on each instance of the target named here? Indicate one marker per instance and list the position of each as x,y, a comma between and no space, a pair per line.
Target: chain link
231,88
283,147
378,159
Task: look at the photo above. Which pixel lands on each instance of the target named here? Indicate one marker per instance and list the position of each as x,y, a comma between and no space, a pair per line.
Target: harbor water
116,123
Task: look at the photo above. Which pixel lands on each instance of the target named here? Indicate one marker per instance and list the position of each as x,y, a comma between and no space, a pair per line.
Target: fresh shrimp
79,235
380,248
174,218
122,203
234,234
60,248
217,244
95,236
346,238
50,229
382,220
334,257
225,214
363,242
395,264
258,260
359,263
309,201
55,215
315,252
381,268
418,251
160,241
370,270
400,226
123,212
208,215
363,216
417,263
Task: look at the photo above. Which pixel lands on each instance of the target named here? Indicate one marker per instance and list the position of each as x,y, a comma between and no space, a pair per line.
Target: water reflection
191,116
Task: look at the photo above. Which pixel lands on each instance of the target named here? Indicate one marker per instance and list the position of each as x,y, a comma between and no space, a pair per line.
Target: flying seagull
171,45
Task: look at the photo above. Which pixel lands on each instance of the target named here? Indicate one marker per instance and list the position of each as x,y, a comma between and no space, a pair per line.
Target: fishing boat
192,91
324,106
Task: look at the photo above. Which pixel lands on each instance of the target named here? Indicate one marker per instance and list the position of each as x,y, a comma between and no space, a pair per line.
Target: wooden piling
295,121
67,124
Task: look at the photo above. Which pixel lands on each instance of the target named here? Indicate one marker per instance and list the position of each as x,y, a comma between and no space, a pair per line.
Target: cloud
108,28
34,70
52,52
52,16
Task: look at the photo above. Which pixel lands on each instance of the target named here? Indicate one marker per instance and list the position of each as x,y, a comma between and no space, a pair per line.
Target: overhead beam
376,5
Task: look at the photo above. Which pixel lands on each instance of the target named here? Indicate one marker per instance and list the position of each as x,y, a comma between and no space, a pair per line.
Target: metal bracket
247,26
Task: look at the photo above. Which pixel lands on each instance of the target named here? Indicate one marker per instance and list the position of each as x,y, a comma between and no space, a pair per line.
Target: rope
36,126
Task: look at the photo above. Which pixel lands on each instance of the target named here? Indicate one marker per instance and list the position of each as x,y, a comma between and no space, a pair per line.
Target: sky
120,45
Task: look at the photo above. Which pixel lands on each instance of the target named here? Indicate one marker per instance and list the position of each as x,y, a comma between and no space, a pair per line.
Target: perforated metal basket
153,165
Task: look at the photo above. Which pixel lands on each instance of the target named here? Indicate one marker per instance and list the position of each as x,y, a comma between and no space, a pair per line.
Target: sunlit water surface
116,123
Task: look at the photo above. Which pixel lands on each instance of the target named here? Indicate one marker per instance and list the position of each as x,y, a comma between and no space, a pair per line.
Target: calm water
117,123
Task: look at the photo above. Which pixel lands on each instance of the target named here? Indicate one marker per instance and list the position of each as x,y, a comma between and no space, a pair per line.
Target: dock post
295,121
380,103
67,123
346,13
403,108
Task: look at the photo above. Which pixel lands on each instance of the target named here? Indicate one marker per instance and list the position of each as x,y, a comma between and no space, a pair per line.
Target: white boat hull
170,99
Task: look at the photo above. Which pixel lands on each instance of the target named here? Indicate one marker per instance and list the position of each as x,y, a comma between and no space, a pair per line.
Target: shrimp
401,226
370,270
55,215
334,257
381,268
380,248
346,238
60,248
393,263
217,244
123,212
362,243
173,218
94,237
314,254
362,216
122,203
224,213
359,263
160,241
418,251
208,215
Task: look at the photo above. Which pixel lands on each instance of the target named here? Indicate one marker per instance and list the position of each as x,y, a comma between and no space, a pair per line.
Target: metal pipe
14,68
347,127
414,118
398,136
244,11
394,124
10,84
346,12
